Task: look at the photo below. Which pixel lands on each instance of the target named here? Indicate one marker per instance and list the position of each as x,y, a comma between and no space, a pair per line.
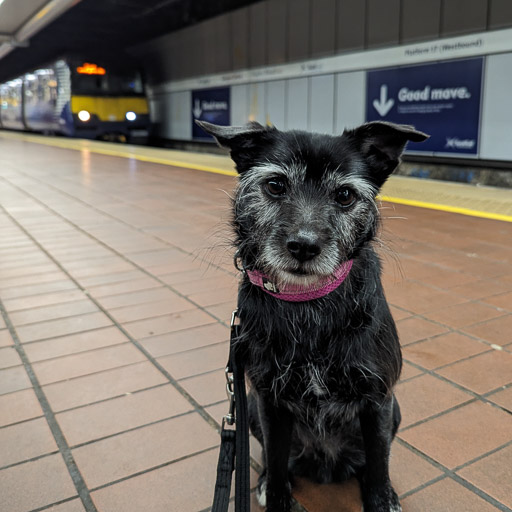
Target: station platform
116,289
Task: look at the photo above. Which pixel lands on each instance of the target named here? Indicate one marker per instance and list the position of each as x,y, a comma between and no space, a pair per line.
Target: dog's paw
261,492
383,499
278,502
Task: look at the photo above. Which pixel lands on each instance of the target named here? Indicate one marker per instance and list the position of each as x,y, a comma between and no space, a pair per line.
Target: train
77,98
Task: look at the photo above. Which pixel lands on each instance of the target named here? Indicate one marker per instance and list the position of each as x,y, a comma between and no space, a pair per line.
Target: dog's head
306,202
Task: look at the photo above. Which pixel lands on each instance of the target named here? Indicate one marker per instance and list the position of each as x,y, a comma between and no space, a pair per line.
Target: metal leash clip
229,418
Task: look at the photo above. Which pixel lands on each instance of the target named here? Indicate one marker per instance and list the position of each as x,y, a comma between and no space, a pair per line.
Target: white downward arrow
197,109
384,105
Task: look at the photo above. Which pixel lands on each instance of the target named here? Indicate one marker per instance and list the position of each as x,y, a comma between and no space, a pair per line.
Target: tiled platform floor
116,286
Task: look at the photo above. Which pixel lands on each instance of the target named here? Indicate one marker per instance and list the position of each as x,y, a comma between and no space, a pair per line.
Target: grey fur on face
308,209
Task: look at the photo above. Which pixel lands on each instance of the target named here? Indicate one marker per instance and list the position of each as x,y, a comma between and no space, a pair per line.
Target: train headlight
131,116
84,116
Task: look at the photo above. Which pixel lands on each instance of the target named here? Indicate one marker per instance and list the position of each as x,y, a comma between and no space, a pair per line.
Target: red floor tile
36,289
100,386
120,414
136,298
446,495
498,330
5,338
426,396
21,281
43,300
25,441
421,299
19,406
481,289
74,343
493,474
150,310
465,314
36,484
503,398
9,357
416,329
187,339
223,310
443,350
344,497
207,389
152,490
409,371
482,373
44,313
28,270
503,301
69,506
113,279
136,285
62,327
195,362
13,379
84,363
461,435
408,470
168,323
142,449
214,297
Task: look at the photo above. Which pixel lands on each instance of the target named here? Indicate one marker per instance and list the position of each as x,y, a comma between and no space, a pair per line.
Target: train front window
109,84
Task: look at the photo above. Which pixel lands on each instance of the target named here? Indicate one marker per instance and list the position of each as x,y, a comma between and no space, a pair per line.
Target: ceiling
95,29
15,13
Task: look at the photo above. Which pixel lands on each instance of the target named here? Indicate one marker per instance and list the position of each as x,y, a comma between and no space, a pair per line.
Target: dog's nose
303,247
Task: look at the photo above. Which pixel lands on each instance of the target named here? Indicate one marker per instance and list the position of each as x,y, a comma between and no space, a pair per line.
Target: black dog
321,348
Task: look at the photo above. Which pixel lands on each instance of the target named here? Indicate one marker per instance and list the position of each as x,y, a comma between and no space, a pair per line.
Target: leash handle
234,450
224,471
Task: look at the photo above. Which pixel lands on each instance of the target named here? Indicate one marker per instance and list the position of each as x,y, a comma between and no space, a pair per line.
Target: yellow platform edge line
178,163
447,208
158,160
75,145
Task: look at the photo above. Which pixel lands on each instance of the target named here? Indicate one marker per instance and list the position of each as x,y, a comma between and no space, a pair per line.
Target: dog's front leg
377,425
276,423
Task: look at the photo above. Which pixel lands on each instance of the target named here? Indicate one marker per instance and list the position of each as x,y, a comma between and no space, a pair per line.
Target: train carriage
77,98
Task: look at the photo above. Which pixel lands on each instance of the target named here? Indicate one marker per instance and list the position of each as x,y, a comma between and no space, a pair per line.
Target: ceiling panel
14,13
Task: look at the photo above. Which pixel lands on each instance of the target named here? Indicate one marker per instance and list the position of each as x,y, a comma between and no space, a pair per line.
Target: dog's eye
276,187
345,197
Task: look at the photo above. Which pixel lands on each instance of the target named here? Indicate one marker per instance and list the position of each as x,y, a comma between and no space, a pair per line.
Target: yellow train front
108,103
77,99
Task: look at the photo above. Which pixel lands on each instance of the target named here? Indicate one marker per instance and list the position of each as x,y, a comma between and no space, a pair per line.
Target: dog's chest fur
321,360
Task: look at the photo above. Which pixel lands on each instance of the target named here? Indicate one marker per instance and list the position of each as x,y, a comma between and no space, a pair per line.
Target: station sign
441,99
211,105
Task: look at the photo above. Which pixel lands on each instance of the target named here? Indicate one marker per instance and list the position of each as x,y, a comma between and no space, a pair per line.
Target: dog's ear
381,144
244,142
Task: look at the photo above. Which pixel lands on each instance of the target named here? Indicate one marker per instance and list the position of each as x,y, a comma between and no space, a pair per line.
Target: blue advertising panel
212,105
441,99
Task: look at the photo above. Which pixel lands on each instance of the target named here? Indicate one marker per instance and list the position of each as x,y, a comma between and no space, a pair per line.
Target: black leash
234,448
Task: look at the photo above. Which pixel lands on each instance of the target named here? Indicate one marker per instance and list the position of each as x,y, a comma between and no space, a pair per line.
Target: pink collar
296,293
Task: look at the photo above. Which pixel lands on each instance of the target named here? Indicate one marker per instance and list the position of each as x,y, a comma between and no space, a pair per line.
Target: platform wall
304,64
